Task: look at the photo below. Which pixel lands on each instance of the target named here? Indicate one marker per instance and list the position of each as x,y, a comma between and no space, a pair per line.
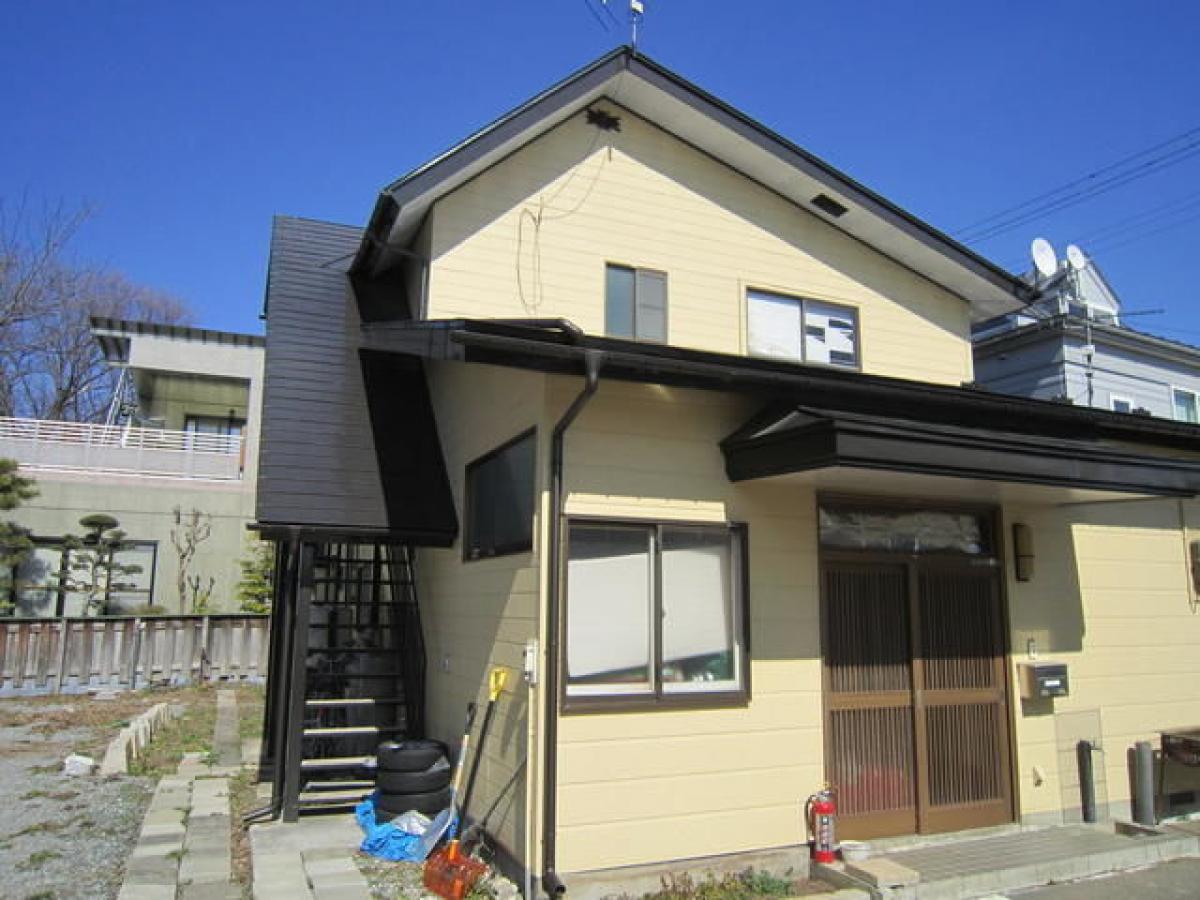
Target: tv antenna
637,11
1076,257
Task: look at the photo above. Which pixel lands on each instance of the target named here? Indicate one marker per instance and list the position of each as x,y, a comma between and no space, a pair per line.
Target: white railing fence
121,449
73,655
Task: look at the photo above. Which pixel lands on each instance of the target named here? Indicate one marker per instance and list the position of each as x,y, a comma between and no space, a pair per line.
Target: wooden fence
72,655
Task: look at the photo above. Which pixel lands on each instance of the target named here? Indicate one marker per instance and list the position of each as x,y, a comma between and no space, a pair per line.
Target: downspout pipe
593,361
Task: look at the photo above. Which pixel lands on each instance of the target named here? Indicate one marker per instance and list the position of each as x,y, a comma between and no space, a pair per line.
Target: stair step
346,675
342,784
353,650
336,762
341,731
321,799
333,703
388,604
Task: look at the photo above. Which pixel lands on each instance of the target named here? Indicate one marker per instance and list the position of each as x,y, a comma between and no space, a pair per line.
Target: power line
980,224
596,15
1140,219
1143,170
1078,181
1109,248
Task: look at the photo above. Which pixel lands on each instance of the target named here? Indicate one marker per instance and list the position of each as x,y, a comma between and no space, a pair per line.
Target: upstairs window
635,303
220,425
1185,406
500,498
1121,404
800,329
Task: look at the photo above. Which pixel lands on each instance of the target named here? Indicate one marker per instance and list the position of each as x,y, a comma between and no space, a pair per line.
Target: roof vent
827,204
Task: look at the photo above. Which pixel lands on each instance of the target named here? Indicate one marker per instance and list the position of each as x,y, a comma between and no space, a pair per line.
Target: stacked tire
413,774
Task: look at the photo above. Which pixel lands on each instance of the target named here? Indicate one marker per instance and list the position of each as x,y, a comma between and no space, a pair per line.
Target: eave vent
827,204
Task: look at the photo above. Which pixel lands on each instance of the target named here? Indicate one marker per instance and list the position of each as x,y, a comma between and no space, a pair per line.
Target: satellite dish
1044,257
1077,258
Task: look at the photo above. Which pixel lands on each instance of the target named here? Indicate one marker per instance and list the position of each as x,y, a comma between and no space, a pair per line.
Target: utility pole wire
1113,182
1071,185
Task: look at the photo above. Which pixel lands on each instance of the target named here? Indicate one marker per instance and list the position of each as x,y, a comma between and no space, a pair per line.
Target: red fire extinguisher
820,810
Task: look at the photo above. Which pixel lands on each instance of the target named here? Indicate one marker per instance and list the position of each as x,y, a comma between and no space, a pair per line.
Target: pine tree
93,568
258,568
15,544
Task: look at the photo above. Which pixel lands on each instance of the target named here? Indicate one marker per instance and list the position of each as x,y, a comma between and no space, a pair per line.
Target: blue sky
189,125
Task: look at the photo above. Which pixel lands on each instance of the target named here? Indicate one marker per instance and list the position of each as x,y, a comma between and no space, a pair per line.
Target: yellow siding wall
479,614
531,236
651,786
1111,598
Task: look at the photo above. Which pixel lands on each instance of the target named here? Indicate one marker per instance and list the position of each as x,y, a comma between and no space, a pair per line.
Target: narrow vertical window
635,303
1185,406
609,610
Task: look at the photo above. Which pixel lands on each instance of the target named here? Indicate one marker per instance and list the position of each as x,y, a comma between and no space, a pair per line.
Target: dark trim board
816,439
559,347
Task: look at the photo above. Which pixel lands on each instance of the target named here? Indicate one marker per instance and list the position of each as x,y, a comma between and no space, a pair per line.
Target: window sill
621,703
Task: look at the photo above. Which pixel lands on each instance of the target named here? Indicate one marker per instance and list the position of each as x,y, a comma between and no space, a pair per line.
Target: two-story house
183,437
642,401
1074,345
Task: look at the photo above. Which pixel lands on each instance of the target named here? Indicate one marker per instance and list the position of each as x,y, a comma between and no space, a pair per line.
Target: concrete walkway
954,868
183,850
312,859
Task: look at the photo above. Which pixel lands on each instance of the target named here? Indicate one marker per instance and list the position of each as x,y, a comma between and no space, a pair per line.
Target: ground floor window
656,612
46,583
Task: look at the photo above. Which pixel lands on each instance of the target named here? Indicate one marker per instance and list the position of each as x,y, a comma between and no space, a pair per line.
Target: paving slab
146,892
227,743
979,866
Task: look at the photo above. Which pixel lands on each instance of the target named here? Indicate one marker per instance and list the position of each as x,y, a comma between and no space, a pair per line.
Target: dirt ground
64,838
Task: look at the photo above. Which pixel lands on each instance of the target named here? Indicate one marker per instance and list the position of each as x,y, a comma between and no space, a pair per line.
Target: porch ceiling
849,481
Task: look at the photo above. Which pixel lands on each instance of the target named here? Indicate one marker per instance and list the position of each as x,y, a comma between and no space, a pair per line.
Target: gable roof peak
685,110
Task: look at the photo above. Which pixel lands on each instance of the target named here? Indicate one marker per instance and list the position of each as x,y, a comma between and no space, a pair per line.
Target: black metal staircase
356,670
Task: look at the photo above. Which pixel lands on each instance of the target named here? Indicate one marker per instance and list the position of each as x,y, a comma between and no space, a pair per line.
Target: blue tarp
408,838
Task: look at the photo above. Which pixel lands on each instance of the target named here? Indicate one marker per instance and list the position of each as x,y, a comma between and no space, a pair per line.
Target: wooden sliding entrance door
915,695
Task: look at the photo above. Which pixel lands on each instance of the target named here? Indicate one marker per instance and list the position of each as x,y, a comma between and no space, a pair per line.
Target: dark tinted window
500,495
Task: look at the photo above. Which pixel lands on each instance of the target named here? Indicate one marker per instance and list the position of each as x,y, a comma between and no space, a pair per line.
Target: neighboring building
670,415
1071,345
187,438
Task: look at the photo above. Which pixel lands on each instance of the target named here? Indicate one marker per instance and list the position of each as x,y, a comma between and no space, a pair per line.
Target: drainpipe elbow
553,885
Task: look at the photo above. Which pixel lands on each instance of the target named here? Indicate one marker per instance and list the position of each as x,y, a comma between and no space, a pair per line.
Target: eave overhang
818,417
698,118
805,439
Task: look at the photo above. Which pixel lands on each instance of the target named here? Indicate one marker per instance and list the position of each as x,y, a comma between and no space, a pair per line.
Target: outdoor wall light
1022,551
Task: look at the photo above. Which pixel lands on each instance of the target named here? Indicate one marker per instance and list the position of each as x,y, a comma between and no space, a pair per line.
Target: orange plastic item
450,874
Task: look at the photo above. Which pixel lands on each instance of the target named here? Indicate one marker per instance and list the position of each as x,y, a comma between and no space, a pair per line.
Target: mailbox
1043,679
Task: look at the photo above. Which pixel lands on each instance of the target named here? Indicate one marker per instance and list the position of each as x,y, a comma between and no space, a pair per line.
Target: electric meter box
1043,679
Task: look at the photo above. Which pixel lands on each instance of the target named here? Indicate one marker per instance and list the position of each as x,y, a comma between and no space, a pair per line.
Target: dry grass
190,733
243,797
59,712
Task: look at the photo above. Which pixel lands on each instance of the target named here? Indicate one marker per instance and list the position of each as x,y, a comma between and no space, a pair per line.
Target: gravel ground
61,837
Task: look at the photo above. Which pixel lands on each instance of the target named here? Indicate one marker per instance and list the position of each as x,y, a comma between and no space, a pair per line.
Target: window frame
610,264
1114,399
60,592
803,300
523,546
656,698
1195,404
